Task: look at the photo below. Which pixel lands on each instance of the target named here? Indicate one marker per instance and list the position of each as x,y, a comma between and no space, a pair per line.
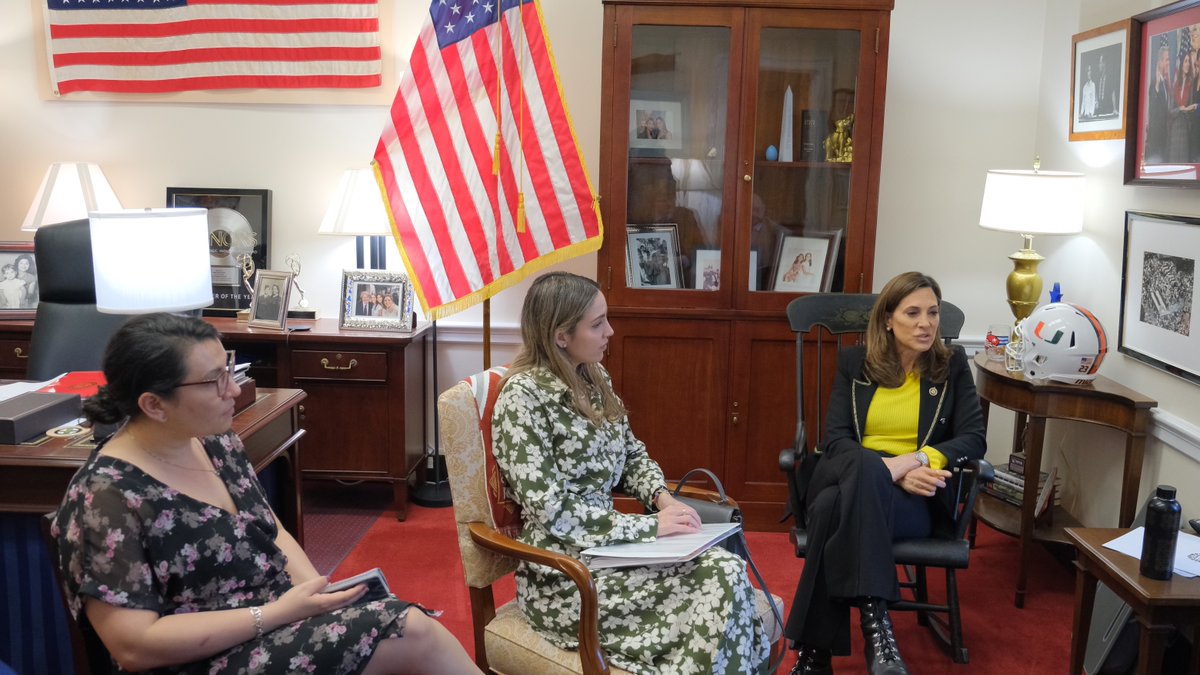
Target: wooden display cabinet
703,355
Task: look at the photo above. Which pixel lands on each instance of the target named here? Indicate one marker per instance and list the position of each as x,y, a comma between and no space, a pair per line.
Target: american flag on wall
161,46
478,162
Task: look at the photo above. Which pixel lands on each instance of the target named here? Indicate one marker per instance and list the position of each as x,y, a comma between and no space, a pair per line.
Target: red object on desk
82,382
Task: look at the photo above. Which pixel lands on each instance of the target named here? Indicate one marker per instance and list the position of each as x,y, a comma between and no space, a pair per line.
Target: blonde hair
556,302
883,360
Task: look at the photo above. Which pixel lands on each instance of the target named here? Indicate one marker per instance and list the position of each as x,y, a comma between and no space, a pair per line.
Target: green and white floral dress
694,617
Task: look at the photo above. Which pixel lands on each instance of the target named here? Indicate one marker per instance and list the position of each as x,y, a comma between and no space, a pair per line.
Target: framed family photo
271,292
376,300
1158,293
239,223
805,263
1099,76
1162,140
652,256
18,280
655,124
708,269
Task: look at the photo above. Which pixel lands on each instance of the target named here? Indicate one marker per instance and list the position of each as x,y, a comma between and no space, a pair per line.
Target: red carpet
337,516
421,561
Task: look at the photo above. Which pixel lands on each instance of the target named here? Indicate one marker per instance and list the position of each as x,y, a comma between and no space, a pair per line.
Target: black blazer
950,419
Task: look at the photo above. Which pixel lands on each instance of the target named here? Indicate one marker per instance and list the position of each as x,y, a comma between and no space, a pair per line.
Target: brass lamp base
1024,285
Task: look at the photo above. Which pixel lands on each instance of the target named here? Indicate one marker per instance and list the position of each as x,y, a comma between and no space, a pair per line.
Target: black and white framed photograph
271,292
239,223
376,300
1099,76
18,280
652,256
1158,293
805,263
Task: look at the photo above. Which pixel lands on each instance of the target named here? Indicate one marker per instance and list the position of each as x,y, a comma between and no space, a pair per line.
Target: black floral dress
129,540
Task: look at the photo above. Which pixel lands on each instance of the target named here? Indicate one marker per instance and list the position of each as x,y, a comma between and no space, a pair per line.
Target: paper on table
8,391
1187,550
671,549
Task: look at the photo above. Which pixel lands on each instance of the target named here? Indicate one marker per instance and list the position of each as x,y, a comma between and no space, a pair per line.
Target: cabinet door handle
325,364
735,419
747,178
19,353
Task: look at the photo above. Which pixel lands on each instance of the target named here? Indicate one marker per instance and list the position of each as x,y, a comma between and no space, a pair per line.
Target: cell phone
297,329
377,588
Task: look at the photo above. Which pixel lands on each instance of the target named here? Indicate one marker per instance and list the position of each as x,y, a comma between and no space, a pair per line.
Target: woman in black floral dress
172,554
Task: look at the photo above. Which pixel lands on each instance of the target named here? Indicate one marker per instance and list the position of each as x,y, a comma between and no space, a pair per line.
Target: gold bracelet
258,621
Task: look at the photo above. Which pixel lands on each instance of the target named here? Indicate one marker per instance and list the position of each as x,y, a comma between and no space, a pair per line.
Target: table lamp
69,191
151,260
1029,203
357,209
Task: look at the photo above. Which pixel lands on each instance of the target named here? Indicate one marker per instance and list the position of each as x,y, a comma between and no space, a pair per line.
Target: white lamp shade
69,191
151,260
1033,202
357,207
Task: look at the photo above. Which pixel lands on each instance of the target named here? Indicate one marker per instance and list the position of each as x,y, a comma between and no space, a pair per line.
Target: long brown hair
883,359
557,301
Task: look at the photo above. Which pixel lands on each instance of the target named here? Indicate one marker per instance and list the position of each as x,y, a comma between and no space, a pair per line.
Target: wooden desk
1158,605
1102,402
33,478
365,413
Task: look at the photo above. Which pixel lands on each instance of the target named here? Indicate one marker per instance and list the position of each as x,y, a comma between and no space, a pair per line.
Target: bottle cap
1166,492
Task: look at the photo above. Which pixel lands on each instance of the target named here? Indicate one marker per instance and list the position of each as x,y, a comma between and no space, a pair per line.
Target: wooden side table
1159,606
1102,402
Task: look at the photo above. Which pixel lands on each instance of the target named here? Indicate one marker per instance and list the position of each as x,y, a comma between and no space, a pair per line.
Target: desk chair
844,318
68,332
91,656
487,526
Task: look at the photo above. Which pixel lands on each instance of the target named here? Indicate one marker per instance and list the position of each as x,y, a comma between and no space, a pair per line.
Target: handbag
721,511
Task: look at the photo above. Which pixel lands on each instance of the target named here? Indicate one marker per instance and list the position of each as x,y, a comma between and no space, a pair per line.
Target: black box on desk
25,416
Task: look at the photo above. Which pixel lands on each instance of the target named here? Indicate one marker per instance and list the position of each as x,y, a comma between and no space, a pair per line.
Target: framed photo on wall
271,292
239,223
1159,323
18,280
376,300
652,256
805,262
1099,76
655,124
1162,141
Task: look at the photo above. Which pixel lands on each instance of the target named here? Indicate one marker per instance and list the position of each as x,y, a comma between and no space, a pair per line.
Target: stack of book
1010,485
249,395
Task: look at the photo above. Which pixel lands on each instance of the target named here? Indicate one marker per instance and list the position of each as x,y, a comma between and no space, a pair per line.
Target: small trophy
301,311
246,261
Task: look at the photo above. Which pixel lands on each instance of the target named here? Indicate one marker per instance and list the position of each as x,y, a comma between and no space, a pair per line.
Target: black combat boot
883,656
813,661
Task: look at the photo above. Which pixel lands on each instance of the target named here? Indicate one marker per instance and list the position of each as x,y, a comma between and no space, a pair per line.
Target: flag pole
487,333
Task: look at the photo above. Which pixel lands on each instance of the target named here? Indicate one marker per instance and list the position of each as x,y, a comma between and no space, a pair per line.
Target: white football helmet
1059,341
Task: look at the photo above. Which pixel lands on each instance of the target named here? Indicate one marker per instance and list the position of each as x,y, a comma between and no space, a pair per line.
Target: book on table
675,548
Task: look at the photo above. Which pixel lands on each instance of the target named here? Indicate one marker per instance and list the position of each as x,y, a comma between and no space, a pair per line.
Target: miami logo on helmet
1038,332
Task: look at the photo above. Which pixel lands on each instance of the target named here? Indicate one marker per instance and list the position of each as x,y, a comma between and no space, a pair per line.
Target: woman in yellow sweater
903,410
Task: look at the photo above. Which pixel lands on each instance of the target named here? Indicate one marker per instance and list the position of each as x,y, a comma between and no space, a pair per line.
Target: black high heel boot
883,656
813,661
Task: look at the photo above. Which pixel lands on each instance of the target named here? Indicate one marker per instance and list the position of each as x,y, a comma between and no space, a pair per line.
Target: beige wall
972,86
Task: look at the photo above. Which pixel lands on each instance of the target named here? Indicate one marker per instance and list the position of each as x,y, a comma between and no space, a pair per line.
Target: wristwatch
922,458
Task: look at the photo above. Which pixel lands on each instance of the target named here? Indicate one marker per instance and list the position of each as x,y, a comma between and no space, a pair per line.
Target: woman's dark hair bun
102,408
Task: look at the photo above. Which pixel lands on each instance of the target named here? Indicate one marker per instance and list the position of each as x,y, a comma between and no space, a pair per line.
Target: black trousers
854,514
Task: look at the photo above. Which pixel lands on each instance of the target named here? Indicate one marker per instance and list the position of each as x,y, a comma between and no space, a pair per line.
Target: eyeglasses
223,379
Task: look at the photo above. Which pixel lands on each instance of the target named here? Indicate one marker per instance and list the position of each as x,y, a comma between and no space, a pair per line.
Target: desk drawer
14,355
344,366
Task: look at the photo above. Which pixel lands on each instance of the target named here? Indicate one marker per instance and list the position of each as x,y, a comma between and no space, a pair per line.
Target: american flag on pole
479,165
160,46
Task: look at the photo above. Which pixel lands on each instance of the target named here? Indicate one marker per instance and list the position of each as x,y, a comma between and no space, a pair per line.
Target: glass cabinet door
679,84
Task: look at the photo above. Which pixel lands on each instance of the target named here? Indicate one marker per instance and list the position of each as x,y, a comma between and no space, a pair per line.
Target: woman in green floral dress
562,440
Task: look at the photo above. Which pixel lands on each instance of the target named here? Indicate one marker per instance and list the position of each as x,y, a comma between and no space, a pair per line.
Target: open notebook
664,550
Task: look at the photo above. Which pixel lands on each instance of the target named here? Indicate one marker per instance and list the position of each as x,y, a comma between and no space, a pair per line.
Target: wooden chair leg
483,610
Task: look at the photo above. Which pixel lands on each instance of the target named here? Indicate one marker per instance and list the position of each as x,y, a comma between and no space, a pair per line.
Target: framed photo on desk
18,281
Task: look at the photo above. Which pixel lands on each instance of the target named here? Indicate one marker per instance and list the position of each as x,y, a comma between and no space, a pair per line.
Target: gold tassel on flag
520,212
496,156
